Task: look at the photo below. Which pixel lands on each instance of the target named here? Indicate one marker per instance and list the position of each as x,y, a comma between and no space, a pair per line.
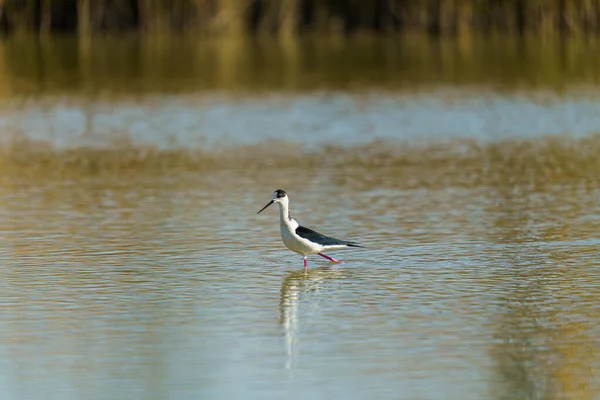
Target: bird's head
279,196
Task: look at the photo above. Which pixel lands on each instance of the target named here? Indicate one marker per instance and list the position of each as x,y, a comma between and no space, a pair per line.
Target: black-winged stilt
302,240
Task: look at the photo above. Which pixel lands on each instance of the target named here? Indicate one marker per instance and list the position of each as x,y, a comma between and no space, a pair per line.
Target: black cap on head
280,193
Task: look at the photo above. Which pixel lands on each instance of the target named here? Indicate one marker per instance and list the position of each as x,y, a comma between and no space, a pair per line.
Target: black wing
323,240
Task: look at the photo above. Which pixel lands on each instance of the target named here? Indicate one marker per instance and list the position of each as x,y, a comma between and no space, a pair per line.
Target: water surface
135,266
170,285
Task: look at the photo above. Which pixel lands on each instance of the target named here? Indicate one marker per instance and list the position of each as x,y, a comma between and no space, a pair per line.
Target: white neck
284,214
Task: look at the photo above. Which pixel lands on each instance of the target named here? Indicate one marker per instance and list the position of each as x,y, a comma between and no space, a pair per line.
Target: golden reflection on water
143,64
543,162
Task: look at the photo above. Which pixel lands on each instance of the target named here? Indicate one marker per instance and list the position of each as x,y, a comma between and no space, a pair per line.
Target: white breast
296,243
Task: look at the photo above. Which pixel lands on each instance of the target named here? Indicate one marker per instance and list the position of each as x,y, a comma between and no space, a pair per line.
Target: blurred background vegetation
285,17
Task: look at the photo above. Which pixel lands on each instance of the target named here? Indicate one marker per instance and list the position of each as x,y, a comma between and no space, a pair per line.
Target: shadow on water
298,288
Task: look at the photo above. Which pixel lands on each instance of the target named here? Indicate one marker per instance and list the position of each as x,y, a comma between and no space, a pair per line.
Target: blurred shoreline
296,17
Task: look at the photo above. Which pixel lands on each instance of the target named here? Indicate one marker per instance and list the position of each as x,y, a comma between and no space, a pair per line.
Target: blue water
206,120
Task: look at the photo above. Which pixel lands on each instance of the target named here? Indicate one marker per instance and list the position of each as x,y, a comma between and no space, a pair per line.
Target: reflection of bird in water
302,240
293,288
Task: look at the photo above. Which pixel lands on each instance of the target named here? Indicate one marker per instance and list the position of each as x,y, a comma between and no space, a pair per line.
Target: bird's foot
333,260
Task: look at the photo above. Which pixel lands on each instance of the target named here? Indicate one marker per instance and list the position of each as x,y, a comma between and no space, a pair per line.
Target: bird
299,239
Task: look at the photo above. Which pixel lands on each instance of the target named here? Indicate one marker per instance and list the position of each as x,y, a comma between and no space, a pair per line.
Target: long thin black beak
271,202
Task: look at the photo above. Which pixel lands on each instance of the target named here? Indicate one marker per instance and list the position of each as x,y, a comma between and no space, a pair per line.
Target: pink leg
305,264
330,258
